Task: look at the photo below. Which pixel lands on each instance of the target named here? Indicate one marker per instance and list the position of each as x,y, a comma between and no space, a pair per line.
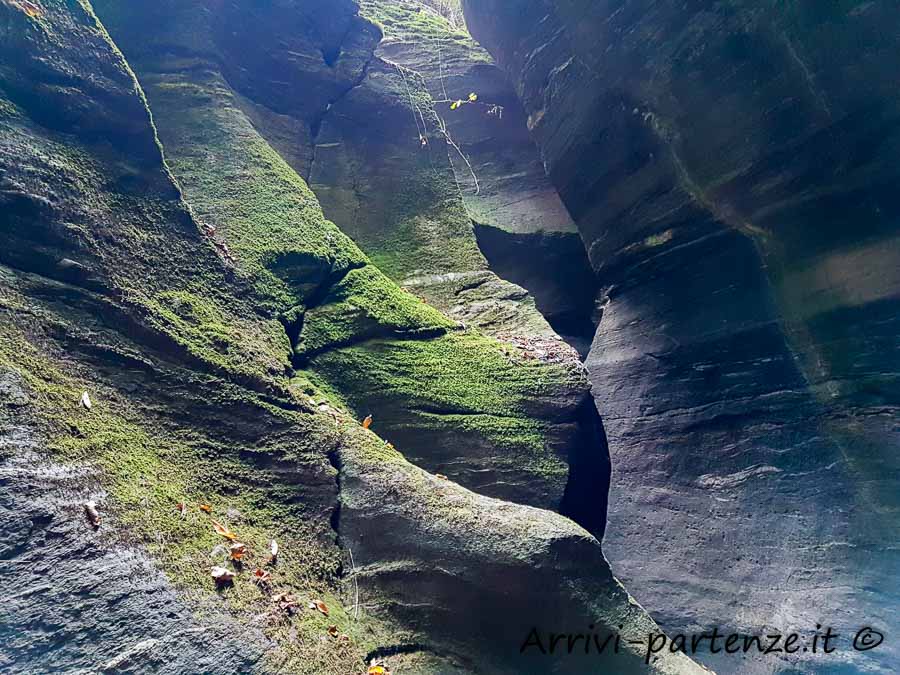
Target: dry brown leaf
441,476
224,531
319,605
261,576
333,631
206,508
237,551
93,515
366,423
222,575
182,509
286,602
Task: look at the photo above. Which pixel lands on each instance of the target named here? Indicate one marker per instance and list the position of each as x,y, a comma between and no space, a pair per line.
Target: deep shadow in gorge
554,268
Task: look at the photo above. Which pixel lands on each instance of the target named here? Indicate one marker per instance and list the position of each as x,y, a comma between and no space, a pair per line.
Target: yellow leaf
206,508
473,97
224,531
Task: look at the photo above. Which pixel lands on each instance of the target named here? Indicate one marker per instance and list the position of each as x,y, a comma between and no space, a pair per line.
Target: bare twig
441,72
423,130
442,126
356,583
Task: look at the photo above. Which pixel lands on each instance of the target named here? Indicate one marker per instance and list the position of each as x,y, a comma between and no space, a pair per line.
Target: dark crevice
393,650
301,360
554,268
587,491
334,458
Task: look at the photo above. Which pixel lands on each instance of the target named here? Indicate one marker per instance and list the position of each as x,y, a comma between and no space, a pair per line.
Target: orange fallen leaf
319,605
222,576
206,508
224,531
378,670
237,550
93,515
261,576
366,423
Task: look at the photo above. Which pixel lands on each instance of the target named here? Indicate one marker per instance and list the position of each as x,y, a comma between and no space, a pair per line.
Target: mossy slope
267,223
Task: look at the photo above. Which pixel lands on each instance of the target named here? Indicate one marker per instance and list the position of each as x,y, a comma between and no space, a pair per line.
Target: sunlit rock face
731,168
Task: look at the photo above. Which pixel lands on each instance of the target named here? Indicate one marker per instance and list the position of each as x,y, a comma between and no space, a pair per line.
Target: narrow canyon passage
400,337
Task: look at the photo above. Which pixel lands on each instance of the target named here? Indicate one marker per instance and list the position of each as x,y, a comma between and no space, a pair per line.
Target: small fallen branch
355,583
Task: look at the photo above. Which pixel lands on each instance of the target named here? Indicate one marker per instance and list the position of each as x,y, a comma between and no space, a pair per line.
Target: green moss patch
366,304
412,21
262,210
200,327
461,382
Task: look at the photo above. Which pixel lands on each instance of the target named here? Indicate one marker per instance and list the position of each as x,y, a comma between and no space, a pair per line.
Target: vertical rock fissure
315,125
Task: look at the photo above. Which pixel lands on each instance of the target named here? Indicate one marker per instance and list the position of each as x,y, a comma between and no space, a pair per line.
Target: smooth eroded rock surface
730,168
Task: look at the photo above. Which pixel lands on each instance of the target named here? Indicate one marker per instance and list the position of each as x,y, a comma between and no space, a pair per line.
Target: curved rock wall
729,166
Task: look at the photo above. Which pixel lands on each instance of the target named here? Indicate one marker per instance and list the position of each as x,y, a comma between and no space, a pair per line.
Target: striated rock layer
730,167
